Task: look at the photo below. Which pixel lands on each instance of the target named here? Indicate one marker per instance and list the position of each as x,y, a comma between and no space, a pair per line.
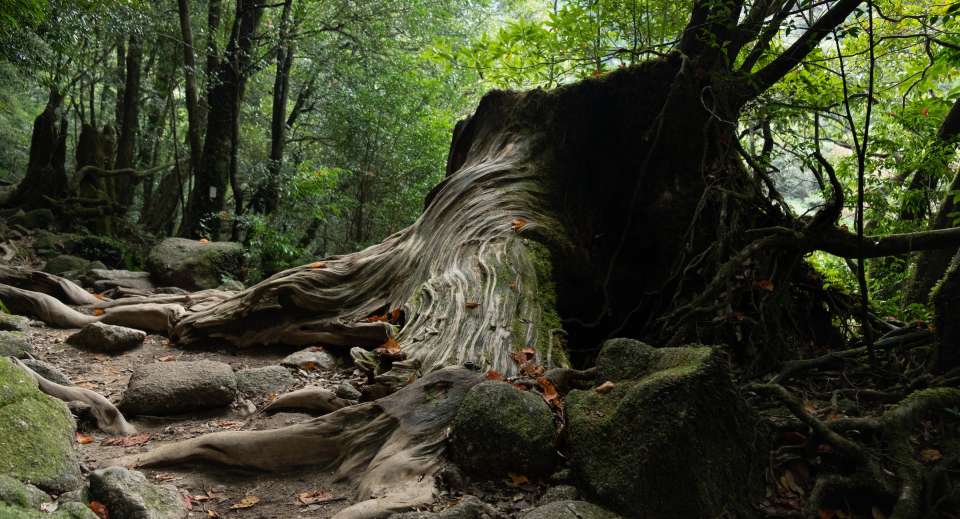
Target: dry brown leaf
395,316
128,441
100,509
246,502
83,439
98,311
765,284
518,479
550,393
472,304
391,346
494,375
518,224
930,455
309,365
317,496
605,388
317,265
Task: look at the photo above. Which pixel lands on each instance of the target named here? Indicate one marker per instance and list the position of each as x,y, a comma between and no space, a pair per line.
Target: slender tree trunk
125,185
207,197
190,79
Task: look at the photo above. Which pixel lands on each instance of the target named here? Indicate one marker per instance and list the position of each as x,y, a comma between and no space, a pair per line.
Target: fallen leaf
317,265
128,441
167,358
391,346
765,284
213,514
100,509
317,496
605,388
494,375
246,502
204,241
98,311
550,393
84,439
827,513
518,224
472,304
375,319
395,316
930,455
518,479
309,365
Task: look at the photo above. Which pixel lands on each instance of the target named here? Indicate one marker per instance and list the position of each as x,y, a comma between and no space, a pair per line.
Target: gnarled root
390,447
37,281
109,418
313,400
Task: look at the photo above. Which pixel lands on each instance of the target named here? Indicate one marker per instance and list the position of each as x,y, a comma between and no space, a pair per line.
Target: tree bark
125,186
194,124
46,172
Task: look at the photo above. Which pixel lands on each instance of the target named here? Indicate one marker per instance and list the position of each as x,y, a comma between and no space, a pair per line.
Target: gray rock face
500,429
469,507
672,438
21,494
310,359
66,263
166,388
127,494
193,265
48,371
265,380
346,391
107,338
105,279
570,510
14,344
560,493
13,323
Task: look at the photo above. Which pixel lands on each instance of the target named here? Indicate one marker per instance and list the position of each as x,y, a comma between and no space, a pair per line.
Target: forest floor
221,491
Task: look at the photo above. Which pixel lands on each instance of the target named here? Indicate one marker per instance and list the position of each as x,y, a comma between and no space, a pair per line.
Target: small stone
14,344
346,391
265,380
166,388
127,494
570,510
310,359
13,323
107,338
48,371
560,493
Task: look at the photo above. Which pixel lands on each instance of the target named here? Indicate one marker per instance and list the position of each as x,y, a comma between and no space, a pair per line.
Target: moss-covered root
894,428
109,418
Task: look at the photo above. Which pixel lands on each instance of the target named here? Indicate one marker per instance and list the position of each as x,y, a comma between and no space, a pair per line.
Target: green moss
546,298
36,434
67,511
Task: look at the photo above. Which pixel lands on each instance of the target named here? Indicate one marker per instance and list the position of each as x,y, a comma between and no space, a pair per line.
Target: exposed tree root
390,447
312,400
109,418
904,480
37,281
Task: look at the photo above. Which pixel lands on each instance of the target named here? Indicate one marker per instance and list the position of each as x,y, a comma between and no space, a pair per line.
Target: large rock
13,323
195,265
165,388
107,338
22,501
571,510
265,380
500,429
36,434
66,263
310,359
672,438
128,495
14,344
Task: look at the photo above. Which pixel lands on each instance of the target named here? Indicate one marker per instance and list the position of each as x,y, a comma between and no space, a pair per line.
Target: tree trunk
946,303
125,185
46,173
207,197
194,124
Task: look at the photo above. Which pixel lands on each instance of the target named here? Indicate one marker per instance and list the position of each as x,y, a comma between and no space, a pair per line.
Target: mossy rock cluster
36,434
195,265
22,501
673,438
499,429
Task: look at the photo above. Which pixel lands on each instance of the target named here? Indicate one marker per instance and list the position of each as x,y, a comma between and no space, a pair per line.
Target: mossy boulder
127,494
500,429
195,265
36,434
17,493
108,251
673,438
66,263
14,344
71,510
13,323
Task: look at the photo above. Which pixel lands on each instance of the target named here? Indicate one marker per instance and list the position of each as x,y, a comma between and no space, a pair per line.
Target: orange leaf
493,375
827,513
309,365
317,496
550,393
317,265
375,319
100,509
391,346
83,439
605,388
472,304
518,224
98,311
518,479
930,455
204,241
395,316
246,502
765,284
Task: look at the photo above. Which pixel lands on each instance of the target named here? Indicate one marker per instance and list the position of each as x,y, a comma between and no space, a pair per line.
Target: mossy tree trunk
46,171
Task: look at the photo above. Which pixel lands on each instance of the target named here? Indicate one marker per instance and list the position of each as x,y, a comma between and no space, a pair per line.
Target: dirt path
221,491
